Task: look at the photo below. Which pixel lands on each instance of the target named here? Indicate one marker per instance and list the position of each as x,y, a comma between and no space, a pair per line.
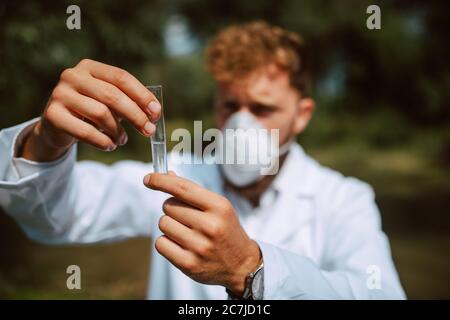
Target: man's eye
263,111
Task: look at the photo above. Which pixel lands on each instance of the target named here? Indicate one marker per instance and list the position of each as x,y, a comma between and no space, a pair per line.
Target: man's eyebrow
257,104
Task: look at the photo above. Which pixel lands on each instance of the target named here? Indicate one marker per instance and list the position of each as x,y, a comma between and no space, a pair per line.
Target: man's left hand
202,234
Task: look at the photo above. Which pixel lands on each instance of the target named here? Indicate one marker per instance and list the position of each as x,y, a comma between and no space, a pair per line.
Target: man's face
268,95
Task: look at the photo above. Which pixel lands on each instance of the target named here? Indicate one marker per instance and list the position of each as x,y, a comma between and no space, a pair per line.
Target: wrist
248,265
38,146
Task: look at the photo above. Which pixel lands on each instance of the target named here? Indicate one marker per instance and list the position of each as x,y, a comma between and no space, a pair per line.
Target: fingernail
111,148
123,139
149,128
154,108
146,179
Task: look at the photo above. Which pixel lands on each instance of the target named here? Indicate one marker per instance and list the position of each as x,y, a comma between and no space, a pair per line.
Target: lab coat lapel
289,223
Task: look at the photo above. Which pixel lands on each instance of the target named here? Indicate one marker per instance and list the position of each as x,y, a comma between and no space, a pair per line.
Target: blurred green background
383,116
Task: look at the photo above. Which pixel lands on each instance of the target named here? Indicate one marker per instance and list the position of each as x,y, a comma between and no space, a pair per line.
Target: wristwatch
254,286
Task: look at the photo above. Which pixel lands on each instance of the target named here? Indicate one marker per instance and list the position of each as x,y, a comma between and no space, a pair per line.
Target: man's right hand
88,104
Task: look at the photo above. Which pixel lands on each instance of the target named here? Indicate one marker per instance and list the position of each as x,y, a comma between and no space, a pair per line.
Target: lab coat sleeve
356,262
74,202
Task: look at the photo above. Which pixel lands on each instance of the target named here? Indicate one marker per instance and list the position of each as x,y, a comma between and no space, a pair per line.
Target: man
219,231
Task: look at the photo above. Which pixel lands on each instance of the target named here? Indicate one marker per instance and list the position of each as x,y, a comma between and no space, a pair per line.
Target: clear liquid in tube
158,140
159,154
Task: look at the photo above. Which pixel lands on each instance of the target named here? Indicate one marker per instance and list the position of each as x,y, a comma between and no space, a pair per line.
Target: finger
183,213
172,173
98,114
183,190
119,118
64,120
182,235
119,102
173,252
126,82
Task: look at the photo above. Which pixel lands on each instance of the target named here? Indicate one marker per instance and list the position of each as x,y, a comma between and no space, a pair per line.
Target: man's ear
305,110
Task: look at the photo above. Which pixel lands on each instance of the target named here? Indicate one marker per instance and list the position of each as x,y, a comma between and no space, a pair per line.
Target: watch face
258,285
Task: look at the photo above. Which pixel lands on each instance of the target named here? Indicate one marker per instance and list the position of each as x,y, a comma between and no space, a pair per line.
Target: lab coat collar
295,178
296,175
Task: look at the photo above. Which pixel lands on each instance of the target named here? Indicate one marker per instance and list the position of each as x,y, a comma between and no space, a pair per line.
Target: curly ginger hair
238,50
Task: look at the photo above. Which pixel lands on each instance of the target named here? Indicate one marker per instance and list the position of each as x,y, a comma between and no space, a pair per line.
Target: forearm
65,202
293,276
32,192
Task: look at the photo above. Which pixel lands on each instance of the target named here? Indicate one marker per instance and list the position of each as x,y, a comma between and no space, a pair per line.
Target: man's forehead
266,85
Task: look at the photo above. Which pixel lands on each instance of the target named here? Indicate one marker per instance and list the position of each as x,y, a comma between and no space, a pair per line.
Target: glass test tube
158,139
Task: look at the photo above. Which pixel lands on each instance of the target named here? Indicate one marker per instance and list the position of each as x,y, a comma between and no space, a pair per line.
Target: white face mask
260,155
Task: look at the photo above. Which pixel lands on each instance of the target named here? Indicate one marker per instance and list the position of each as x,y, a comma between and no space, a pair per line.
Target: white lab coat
319,232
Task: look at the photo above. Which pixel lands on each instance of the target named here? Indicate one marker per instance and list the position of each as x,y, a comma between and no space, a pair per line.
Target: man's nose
244,108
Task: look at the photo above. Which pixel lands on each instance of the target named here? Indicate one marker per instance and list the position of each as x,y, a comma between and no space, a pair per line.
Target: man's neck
254,191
